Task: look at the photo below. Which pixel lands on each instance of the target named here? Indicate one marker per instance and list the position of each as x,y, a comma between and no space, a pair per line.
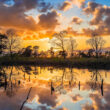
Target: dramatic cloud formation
77,20
15,17
48,21
101,18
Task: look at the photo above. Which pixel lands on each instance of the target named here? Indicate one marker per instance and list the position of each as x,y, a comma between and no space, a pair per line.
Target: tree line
10,44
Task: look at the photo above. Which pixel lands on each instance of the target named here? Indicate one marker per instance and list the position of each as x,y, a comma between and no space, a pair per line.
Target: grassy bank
103,63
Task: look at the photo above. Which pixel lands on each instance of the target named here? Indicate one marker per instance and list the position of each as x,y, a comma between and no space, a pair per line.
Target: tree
12,42
96,44
58,41
90,52
51,51
35,49
27,51
2,42
63,53
72,45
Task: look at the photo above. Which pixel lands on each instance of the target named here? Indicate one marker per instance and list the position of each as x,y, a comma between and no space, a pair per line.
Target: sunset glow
35,21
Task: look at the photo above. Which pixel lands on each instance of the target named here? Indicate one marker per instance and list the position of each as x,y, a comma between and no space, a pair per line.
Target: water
49,88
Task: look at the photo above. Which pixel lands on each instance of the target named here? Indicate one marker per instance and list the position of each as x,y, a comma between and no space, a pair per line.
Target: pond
50,88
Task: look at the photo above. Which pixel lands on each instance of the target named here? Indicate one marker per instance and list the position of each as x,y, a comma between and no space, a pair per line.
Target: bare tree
96,44
72,45
12,42
58,41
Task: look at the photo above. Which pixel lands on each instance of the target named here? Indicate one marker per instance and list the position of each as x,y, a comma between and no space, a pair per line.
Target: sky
35,21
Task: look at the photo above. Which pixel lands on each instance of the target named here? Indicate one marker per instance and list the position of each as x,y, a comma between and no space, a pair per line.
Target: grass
102,63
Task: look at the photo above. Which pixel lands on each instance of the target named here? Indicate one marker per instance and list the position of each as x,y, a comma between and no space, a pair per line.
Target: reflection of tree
35,71
27,69
96,81
51,69
72,76
10,86
3,78
64,81
95,75
6,81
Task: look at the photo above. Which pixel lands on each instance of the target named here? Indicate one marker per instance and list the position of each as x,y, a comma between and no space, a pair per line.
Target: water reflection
50,88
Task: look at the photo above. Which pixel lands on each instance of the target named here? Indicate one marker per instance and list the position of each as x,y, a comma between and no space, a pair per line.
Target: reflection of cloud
76,98
41,98
101,102
44,96
88,107
67,101
36,105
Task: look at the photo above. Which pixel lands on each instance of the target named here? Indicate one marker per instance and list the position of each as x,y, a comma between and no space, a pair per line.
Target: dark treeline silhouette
62,51
61,47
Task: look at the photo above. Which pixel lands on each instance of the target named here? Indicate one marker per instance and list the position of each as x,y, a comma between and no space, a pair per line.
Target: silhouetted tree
96,44
2,42
72,45
35,49
51,52
12,42
107,53
90,52
82,54
27,51
63,53
58,41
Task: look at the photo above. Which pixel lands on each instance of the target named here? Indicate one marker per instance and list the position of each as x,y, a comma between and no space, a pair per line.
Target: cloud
77,20
72,32
15,17
79,3
44,7
40,5
65,6
100,19
91,6
48,21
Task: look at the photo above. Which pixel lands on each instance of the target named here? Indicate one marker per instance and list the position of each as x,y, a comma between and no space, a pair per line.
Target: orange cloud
48,21
79,3
65,6
101,18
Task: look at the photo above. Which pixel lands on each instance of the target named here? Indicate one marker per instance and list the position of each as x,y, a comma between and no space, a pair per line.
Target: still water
50,88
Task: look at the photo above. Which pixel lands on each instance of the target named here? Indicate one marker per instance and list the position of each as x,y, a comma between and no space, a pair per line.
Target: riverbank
101,63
